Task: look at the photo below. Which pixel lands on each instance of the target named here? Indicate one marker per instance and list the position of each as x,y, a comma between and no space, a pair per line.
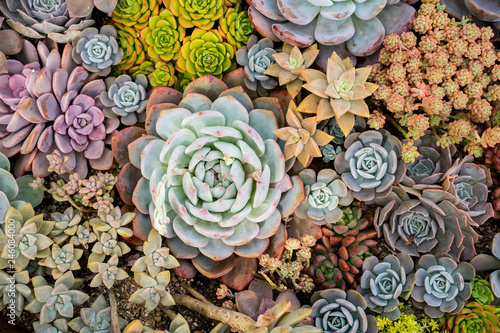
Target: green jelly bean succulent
164,36
135,13
196,13
205,53
236,27
31,239
134,48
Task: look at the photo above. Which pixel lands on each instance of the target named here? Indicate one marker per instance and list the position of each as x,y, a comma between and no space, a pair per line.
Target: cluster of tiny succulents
334,164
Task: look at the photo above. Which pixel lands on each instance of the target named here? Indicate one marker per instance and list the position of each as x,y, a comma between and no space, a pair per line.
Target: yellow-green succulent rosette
135,13
134,48
163,36
146,68
205,53
236,27
197,13
163,75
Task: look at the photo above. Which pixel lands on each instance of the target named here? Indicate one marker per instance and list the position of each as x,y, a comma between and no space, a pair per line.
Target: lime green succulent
146,68
197,13
235,26
205,53
162,75
163,36
183,79
134,48
135,13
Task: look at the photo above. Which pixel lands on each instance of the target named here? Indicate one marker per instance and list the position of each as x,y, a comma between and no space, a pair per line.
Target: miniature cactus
153,290
62,260
107,273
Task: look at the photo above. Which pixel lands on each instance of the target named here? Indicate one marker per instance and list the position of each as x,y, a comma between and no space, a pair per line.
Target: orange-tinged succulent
339,93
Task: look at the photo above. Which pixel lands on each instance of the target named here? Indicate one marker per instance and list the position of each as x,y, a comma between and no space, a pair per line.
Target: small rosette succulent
371,165
96,319
56,301
62,259
66,224
289,62
164,36
441,285
107,273
153,291
332,128
339,93
107,245
194,13
83,236
126,99
135,13
486,262
324,193
481,290
57,326
334,310
134,48
156,258
256,57
113,223
40,19
382,283
163,75
178,325
236,27
31,239
205,53
330,153
15,289
97,50
474,317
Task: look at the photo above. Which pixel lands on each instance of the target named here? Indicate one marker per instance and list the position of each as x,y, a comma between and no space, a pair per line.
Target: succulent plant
337,259
429,224
96,319
35,19
371,164
486,262
339,93
126,99
163,75
205,53
481,291
97,50
62,259
384,282
332,127
107,245
57,326
256,57
330,153
113,223
156,258
14,289
289,62
302,139
84,236
335,310
199,14
145,67
474,317
441,285
164,36
58,300
31,239
236,27
357,25
153,291
134,48
135,13
66,224
482,11
107,273
79,8
213,191
59,110
14,45
178,325
324,193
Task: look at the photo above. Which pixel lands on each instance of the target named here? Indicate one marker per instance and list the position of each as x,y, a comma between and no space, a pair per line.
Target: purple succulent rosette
40,18
53,107
371,165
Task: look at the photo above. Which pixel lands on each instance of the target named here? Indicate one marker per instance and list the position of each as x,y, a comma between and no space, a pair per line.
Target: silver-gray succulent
441,285
57,326
107,273
330,153
62,259
97,50
153,290
382,283
66,224
256,57
486,262
126,98
14,289
96,319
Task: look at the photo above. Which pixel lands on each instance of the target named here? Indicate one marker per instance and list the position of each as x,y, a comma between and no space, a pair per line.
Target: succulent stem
170,314
83,210
399,128
232,318
114,312
195,293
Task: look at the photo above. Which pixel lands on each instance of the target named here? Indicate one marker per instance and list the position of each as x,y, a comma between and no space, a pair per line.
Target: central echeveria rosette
212,176
371,164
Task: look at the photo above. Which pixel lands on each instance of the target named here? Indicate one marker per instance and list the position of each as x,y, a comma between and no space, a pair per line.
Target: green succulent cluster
481,290
235,26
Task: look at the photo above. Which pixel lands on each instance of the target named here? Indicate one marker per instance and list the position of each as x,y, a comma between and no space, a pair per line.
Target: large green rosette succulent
209,172
236,27
195,13
205,53
164,36
135,13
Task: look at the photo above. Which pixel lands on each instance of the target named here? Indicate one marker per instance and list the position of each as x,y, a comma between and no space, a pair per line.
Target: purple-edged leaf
127,181
120,141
